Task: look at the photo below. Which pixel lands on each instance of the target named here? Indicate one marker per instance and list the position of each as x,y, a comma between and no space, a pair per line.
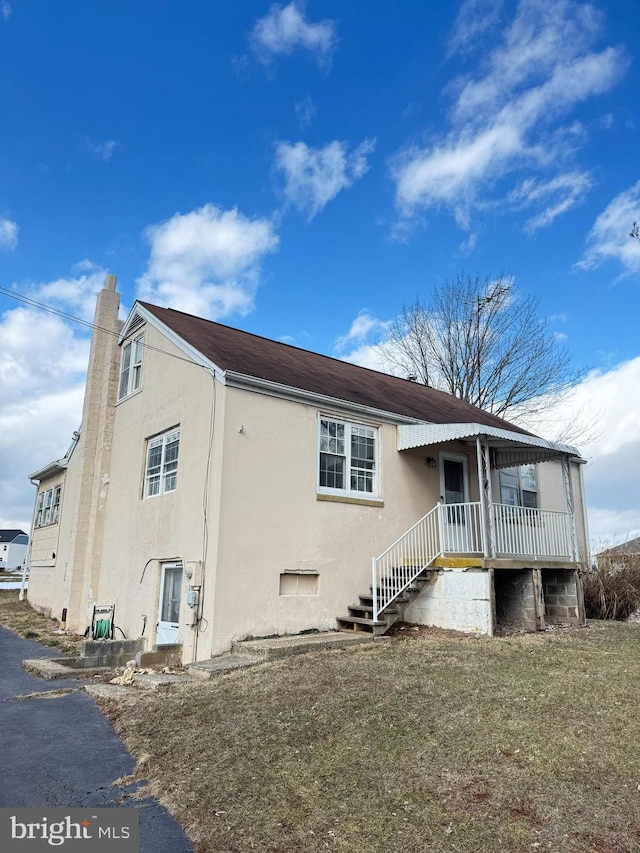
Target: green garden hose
102,629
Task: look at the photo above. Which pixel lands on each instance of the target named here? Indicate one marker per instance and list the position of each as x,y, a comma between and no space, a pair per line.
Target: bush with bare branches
613,590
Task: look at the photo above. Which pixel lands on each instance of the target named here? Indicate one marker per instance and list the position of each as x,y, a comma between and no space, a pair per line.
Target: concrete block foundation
487,600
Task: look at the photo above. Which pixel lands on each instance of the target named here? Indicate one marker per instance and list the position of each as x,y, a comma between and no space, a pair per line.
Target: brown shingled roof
242,352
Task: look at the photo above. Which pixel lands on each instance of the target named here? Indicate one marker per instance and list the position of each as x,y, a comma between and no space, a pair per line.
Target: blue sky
302,170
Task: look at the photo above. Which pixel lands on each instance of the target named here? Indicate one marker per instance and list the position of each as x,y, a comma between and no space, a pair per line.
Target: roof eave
246,382
49,470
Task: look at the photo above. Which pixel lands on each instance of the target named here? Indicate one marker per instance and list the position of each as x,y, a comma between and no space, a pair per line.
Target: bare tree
635,231
484,342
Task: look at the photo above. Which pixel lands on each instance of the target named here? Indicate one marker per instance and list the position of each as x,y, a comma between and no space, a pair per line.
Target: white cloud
508,116
305,111
76,295
314,176
8,235
558,194
474,18
469,244
206,262
606,409
43,363
362,328
5,10
609,238
240,65
103,150
285,29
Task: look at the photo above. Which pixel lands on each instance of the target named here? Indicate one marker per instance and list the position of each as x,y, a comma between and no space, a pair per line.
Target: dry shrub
613,591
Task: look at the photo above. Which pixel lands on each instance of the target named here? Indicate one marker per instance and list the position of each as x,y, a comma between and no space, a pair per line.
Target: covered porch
487,533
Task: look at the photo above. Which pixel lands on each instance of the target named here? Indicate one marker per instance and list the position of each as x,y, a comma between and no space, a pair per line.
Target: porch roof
509,448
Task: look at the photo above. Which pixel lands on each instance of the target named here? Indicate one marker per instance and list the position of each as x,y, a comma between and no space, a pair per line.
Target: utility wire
50,310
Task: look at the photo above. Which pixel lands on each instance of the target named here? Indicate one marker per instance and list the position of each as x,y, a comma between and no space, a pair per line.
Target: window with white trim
161,468
48,507
55,507
519,486
39,510
347,458
131,367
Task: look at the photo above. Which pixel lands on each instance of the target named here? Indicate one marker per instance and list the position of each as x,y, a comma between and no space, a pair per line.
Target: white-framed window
161,468
519,486
131,367
55,507
48,507
347,458
39,509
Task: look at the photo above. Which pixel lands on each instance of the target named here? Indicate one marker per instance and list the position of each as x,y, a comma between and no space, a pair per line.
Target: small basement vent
299,583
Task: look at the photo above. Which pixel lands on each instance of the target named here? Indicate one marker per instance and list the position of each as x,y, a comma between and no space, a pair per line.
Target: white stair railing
397,567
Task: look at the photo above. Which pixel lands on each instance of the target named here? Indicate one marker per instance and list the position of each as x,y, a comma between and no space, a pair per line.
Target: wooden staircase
360,616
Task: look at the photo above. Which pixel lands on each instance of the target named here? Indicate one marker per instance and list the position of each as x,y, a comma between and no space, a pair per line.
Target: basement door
454,488
168,631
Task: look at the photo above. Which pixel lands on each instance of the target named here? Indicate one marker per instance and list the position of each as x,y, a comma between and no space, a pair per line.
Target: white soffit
512,448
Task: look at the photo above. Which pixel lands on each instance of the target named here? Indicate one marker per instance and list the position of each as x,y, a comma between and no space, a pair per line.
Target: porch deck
489,535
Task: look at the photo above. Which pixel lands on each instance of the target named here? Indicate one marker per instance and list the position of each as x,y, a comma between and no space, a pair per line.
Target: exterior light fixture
431,462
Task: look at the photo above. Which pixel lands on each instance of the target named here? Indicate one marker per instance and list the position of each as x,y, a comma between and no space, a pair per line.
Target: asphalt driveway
62,752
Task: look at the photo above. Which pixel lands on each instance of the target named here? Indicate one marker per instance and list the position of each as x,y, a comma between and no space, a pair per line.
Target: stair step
367,600
367,611
357,623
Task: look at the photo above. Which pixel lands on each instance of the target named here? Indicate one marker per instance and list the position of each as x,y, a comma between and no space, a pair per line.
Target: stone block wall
560,596
515,599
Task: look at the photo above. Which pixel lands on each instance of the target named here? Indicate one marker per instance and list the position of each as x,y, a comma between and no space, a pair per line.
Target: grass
430,743
427,744
19,617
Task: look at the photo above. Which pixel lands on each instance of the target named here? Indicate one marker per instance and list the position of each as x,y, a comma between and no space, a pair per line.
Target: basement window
299,583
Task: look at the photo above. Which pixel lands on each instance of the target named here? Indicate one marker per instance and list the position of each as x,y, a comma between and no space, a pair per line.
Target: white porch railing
459,528
397,567
527,532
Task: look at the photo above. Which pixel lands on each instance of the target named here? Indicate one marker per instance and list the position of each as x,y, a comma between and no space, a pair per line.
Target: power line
19,297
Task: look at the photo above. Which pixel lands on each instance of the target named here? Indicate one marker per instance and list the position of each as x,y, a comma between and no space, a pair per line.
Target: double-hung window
161,469
348,459
519,486
55,508
48,507
131,367
39,510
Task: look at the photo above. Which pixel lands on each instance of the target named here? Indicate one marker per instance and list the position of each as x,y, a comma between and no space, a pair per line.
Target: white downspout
27,563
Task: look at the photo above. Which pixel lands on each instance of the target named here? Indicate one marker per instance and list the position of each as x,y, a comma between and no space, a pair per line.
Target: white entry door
454,491
170,595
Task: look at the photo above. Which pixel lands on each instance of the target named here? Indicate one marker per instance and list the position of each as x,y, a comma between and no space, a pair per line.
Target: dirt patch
21,618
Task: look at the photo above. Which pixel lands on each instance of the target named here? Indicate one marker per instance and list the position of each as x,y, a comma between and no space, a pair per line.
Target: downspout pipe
27,563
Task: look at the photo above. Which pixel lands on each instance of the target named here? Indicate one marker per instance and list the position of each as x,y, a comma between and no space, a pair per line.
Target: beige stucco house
224,485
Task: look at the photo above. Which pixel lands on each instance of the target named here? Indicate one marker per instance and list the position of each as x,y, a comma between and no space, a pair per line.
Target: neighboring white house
14,545
223,485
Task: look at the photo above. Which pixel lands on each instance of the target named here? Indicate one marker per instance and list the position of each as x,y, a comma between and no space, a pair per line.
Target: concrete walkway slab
253,652
272,648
